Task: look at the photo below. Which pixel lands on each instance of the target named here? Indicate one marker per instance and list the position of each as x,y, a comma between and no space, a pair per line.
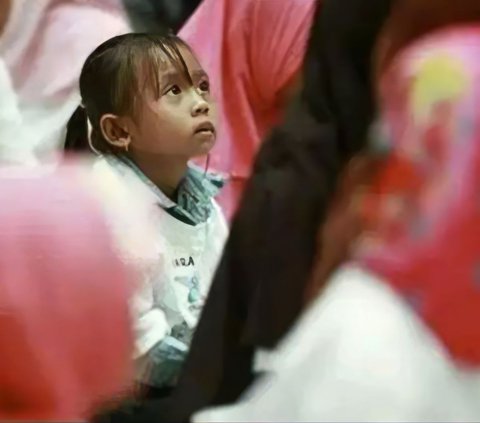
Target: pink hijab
65,339
251,49
424,231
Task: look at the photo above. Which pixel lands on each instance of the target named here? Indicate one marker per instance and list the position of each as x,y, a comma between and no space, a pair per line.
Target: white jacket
175,285
360,354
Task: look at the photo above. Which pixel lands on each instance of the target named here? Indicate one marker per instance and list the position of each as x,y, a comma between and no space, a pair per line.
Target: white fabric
11,127
359,354
182,252
44,45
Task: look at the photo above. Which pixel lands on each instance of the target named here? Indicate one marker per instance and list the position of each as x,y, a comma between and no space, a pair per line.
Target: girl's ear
115,131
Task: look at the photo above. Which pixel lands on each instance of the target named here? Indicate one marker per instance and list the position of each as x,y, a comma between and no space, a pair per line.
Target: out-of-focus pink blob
65,337
423,233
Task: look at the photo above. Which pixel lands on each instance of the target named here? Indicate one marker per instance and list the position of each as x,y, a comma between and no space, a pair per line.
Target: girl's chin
204,147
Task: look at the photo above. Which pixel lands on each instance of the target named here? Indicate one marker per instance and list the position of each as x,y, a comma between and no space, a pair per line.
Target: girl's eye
175,90
204,86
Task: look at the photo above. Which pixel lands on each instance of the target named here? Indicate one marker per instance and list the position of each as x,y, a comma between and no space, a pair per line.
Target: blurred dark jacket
159,15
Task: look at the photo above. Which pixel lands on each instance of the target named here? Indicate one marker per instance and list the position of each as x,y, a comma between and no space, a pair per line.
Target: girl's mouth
205,128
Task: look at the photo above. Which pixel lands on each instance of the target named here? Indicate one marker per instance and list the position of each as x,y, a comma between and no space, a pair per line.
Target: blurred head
350,211
65,336
148,93
346,219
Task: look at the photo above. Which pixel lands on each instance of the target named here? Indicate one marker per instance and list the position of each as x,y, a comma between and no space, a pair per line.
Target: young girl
149,106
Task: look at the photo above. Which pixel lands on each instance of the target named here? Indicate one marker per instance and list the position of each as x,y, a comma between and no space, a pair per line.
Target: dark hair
156,15
76,139
299,164
110,82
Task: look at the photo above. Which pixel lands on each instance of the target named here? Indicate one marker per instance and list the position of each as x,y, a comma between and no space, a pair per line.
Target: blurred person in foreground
66,342
42,48
394,334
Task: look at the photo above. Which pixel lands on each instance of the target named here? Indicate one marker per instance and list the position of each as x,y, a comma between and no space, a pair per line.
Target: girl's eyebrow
168,77
199,74
174,76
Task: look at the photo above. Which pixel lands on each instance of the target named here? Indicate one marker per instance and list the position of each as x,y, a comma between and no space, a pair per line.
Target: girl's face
182,121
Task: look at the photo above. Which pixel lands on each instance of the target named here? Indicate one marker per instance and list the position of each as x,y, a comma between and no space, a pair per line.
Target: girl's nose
201,107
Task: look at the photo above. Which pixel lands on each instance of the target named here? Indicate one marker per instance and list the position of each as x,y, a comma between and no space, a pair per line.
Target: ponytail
76,139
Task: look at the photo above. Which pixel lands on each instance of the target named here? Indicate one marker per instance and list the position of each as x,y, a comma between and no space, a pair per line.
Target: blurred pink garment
422,235
44,46
65,337
251,49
